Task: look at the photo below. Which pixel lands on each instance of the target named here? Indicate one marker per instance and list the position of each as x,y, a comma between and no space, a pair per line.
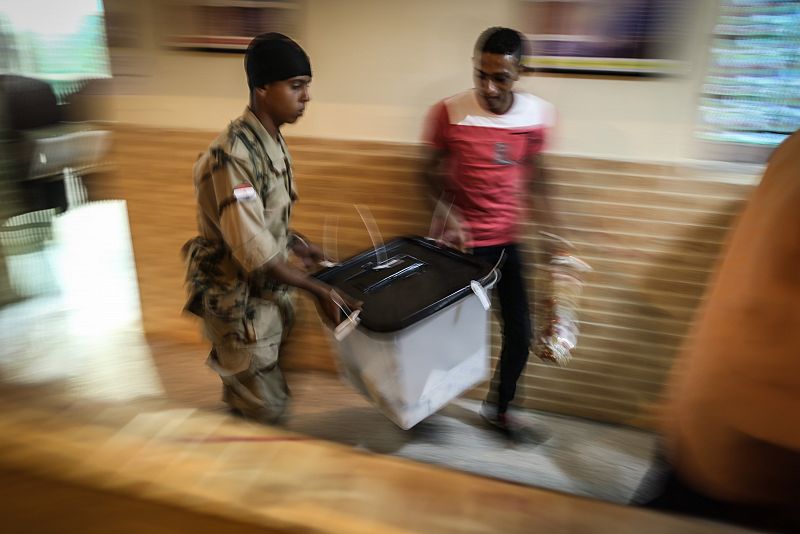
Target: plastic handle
494,273
344,328
491,279
480,292
348,325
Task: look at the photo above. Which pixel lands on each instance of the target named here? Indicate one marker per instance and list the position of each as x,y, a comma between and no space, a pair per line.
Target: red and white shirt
486,155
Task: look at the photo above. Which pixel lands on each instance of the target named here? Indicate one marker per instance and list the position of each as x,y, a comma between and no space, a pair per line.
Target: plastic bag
556,313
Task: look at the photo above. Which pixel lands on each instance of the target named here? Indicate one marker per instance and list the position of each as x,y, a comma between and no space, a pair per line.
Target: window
751,95
64,48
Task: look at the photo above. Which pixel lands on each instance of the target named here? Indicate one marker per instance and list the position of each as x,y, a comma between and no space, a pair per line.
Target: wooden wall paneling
652,232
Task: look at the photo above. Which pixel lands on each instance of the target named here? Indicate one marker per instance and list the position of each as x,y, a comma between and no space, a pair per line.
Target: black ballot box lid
405,281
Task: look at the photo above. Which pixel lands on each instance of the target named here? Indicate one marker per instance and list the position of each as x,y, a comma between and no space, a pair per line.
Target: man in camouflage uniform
237,268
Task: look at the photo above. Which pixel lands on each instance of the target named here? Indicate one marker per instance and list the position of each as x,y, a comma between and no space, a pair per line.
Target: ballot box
422,337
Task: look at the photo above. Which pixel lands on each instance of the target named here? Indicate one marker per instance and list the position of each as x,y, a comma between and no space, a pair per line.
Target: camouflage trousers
245,352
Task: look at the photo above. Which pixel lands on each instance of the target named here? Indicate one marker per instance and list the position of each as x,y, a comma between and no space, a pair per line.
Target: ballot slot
406,281
373,277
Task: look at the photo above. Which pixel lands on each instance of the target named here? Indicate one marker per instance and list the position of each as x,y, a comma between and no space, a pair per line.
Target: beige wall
379,64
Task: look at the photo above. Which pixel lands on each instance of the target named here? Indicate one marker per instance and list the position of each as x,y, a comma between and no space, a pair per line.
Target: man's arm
309,253
434,151
447,225
432,175
244,230
287,274
546,217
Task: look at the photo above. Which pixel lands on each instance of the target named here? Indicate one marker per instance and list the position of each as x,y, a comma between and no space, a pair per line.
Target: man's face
494,76
285,100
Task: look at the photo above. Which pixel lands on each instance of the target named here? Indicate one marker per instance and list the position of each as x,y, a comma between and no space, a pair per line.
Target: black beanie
272,57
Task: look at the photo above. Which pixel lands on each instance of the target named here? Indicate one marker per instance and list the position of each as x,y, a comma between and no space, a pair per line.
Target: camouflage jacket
245,191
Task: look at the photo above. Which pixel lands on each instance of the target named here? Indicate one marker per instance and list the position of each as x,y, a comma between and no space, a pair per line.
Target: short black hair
498,40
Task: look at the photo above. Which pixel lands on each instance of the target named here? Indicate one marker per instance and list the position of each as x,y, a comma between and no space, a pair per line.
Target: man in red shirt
483,151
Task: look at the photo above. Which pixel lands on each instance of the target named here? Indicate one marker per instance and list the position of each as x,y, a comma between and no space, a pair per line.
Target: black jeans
515,322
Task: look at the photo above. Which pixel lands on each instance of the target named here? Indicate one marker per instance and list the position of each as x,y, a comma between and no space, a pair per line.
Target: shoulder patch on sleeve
244,191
